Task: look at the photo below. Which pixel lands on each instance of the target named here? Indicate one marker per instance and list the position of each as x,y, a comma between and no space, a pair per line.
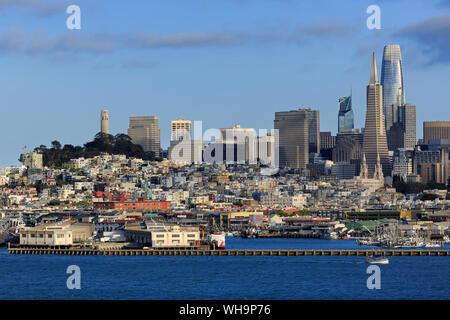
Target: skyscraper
401,130
392,78
144,131
313,130
407,118
346,117
293,134
104,125
375,142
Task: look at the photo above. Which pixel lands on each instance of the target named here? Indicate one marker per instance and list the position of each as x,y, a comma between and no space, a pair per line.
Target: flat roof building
145,132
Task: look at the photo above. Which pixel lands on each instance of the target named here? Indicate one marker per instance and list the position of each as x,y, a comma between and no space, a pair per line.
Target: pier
201,252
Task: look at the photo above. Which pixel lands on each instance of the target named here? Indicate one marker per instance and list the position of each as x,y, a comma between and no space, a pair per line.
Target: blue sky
223,62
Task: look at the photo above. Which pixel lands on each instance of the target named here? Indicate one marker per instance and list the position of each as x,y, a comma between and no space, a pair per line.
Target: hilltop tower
104,125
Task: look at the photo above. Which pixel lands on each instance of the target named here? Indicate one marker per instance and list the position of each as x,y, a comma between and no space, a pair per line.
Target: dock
231,252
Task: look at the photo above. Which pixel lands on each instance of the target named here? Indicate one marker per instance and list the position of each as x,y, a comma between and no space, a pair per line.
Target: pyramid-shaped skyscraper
375,141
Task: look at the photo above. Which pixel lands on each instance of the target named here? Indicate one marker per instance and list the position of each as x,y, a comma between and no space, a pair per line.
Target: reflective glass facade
346,118
392,77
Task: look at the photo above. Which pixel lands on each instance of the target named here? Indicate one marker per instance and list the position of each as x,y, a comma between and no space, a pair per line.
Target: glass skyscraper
346,118
392,78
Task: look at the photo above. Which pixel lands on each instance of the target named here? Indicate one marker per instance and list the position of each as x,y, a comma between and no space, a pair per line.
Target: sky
223,62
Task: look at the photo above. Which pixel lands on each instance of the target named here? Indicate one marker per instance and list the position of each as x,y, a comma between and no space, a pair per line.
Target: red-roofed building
145,205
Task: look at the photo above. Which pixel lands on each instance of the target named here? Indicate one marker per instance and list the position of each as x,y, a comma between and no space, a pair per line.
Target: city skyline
232,71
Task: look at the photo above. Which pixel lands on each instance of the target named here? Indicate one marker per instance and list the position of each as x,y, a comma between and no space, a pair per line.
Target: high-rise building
401,126
432,165
348,148
145,132
313,130
179,128
435,130
104,125
392,78
346,118
390,116
407,118
327,141
375,141
293,132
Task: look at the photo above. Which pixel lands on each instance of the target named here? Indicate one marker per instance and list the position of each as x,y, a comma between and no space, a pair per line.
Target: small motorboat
377,260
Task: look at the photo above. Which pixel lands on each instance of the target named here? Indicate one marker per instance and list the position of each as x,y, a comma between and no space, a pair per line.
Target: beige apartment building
180,128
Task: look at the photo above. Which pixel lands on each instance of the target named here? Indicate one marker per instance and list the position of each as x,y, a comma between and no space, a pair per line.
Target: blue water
196,277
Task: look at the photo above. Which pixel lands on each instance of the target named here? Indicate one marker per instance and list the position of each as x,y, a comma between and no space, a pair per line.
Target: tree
102,143
56,145
434,185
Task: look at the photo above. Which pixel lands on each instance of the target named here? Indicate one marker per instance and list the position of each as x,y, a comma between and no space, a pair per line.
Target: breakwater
251,252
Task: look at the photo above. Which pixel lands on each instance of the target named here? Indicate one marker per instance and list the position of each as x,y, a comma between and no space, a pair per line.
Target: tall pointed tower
375,141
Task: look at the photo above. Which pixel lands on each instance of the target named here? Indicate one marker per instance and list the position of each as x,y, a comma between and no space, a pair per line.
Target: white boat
432,245
377,260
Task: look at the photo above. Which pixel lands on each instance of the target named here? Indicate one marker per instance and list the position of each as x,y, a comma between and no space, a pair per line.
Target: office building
327,140
348,149
313,130
407,118
435,130
392,78
432,165
343,170
145,132
401,130
293,133
375,141
346,118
